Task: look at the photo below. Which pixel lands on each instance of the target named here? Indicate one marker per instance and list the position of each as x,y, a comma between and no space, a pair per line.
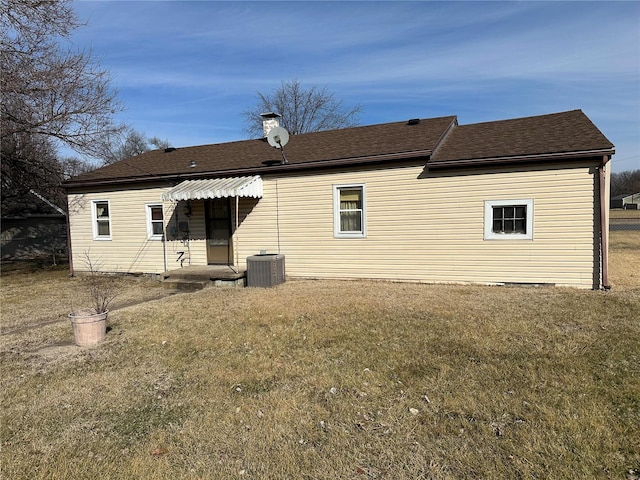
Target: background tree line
625,182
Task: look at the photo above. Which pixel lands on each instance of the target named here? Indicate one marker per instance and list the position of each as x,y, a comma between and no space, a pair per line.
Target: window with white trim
155,222
349,219
508,219
101,220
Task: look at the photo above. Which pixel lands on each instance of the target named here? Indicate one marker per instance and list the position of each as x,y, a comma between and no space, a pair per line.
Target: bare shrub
103,288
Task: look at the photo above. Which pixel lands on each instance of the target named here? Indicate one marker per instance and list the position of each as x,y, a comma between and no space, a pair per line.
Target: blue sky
186,70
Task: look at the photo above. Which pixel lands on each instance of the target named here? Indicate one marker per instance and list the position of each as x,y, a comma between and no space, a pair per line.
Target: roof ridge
373,125
524,118
354,127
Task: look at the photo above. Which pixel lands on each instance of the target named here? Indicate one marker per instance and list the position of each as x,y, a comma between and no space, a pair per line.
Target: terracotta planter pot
89,327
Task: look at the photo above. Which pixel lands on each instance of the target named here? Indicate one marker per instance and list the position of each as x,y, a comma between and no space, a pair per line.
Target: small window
349,211
101,220
508,219
155,222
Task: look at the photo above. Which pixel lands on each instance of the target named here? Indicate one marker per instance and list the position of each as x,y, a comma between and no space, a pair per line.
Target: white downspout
235,237
604,215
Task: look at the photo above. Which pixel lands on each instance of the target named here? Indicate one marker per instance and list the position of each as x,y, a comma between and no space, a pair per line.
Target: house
32,227
424,200
32,236
628,201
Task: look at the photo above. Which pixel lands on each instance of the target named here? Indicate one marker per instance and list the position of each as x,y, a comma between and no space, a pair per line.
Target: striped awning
216,188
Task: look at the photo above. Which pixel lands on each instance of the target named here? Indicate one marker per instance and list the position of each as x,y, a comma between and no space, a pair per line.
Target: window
101,220
508,219
155,222
349,211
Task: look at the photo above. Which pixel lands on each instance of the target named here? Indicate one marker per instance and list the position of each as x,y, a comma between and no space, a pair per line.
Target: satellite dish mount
278,137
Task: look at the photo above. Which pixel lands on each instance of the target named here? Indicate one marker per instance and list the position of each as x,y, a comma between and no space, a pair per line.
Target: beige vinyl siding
129,250
429,229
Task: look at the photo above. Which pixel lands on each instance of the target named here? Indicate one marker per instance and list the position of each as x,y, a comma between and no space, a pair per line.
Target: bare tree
29,164
72,166
302,110
126,144
45,89
49,94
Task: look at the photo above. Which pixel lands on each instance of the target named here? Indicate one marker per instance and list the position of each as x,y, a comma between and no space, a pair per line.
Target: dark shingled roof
350,146
556,133
437,142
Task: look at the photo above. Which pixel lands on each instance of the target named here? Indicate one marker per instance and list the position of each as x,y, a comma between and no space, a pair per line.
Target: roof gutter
472,162
421,155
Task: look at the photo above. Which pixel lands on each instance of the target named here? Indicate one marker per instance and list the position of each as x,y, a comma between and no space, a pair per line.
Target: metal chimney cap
267,115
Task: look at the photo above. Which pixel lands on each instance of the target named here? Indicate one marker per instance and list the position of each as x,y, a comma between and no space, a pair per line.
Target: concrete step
196,277
184,285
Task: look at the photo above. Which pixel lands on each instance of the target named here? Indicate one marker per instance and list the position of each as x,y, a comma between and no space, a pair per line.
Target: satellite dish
278,137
